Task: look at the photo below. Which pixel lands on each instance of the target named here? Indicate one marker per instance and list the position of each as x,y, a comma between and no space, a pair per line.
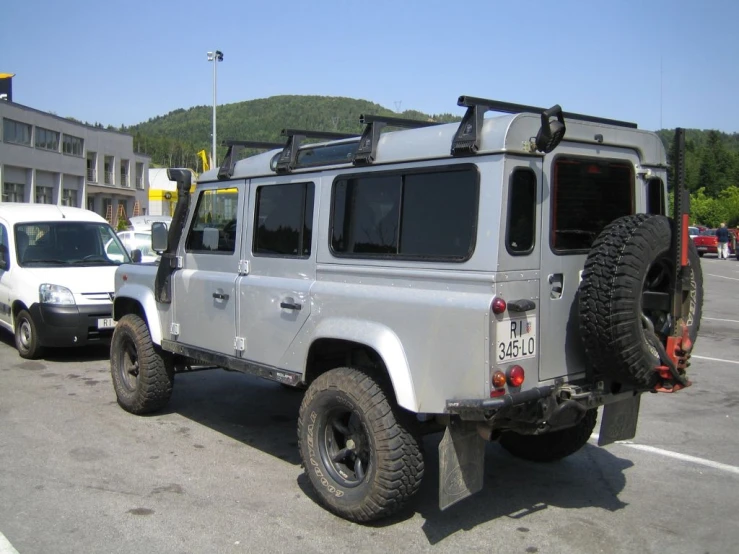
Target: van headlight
54,294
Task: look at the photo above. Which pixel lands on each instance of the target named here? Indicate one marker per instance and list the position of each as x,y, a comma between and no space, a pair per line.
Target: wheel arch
372,346
139,300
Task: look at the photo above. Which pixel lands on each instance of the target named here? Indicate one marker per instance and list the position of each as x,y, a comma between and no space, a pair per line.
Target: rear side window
586,196
655,197
284,220
215,222
426,215
521,212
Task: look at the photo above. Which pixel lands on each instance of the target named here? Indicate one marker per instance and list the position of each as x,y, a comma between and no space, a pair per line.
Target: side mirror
136,256
159,234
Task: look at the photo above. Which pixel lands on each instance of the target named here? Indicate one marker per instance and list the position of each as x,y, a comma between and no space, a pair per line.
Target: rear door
204,290
274,298
583,193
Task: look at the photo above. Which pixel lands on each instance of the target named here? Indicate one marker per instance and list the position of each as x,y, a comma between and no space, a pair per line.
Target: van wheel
358,449
624,297
142,374
26,337
549,447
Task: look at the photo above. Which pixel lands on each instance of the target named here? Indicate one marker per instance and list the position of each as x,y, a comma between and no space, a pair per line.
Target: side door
274,298
204,290
583,193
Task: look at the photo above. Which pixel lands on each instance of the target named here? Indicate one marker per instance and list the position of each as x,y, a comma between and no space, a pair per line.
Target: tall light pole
214,57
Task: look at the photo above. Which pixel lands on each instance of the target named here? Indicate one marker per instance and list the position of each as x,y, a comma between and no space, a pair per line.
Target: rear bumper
506,401
71,325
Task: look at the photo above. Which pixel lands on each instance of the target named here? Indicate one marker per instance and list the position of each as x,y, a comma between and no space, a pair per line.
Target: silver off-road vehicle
495,279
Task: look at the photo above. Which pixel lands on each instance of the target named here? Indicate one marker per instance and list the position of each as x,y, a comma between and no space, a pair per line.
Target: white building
52,160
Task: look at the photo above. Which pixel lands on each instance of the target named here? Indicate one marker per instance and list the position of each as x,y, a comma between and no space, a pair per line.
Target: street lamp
214,57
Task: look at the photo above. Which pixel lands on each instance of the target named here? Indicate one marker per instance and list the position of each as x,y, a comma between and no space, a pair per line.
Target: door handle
290,304
220,296
556,281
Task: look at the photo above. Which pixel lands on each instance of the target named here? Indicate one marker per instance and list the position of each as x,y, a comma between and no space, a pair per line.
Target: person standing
722,236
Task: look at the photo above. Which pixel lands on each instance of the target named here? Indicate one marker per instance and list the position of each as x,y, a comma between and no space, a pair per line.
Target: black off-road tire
26,336
630,256
387,465
142,374
550,447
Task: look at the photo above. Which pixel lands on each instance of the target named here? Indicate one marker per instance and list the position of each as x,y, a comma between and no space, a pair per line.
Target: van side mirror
159,234
136,256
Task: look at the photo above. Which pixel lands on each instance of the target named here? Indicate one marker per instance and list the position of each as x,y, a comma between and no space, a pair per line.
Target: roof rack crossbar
509,107
367,148
226,170
288,158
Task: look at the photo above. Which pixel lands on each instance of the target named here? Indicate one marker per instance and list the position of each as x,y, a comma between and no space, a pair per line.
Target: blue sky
658,63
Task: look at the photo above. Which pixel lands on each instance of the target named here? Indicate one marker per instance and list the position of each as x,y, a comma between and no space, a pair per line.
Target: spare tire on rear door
624,297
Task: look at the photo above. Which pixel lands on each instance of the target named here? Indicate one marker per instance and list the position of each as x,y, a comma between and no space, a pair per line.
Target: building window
69,197
92,167
109,173
14,192
428,215
73,145
44,195
16,132
46,139
284,220
124,173
139,175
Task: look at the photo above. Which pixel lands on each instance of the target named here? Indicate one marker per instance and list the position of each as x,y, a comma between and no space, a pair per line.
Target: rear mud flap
619,421
461,463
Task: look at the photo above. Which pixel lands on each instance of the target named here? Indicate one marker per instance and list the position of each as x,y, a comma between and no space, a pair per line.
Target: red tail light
516,376
499,306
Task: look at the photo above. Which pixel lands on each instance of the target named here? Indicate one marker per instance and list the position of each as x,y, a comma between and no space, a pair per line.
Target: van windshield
68,243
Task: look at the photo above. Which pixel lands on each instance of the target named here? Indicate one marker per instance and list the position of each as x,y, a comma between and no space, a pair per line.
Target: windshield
708,232
68,243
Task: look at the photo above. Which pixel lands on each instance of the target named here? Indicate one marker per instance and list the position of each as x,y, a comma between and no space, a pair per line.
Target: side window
284,220
521,212
587,195
4,248
428,215
655,197
214,225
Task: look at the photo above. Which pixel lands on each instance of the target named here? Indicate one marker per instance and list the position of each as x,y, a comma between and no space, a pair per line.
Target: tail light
516,376
499,382
499,305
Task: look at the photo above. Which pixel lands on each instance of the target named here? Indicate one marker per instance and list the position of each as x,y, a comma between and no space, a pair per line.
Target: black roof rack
287,160
367,149
226,170
467,138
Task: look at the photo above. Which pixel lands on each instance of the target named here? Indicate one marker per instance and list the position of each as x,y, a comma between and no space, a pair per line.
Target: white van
56,278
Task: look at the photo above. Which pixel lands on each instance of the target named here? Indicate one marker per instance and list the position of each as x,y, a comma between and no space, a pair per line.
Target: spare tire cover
625,290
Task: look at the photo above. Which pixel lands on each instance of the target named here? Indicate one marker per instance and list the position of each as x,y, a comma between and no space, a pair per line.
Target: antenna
660,92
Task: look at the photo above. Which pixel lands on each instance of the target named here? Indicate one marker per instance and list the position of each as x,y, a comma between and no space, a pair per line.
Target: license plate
515,339
702,249
106,323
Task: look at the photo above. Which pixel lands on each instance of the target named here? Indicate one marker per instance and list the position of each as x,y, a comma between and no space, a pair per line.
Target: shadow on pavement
264,415
88,353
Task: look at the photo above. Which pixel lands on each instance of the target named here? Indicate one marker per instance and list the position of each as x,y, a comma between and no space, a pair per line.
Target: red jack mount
673,373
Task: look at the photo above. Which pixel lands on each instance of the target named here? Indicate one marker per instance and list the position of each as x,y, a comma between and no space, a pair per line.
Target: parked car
143,222
138,240
707,243
56,277
693,232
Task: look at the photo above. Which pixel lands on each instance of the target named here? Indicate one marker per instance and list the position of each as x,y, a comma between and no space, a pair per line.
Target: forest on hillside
712,157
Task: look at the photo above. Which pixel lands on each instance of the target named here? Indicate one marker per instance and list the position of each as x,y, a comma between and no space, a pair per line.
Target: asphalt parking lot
218,470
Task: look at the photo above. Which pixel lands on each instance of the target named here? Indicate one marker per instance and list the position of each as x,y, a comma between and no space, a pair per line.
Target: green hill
175,138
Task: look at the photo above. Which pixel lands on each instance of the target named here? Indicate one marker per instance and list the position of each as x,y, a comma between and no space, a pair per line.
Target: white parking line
714,359
717,319
723,277
676,455
5,546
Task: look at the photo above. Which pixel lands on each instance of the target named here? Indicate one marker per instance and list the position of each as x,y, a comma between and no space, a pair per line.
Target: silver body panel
430,322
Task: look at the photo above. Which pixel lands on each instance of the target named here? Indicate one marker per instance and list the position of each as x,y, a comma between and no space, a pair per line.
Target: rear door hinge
174,329
243,267
176,262
239,344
